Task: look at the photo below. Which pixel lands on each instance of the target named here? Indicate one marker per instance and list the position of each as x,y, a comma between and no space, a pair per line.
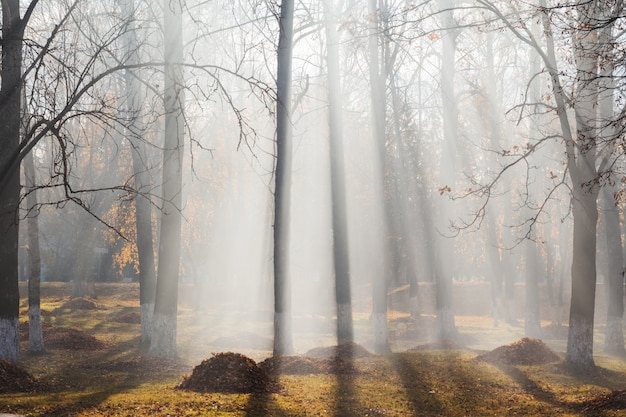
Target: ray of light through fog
468,212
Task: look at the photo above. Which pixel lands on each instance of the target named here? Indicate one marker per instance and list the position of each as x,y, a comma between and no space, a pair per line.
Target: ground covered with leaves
95,366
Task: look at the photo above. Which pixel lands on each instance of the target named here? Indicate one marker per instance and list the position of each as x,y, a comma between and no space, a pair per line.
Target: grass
115,382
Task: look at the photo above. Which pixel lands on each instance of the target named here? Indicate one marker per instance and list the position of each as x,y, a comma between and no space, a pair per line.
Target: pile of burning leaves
229,373
614,400
15,379
526,351
64,338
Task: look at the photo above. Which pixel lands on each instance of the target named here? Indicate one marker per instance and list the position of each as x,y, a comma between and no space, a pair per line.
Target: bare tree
163,340
586,166
341,257
35,331
377,79
10,114
143,206
283,343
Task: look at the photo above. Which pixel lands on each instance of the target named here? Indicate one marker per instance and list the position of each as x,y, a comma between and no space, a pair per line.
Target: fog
466,215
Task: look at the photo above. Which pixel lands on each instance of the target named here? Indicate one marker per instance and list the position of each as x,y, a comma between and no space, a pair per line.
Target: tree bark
389,252
444,271
143,206
582,169
163,342
35,332
580,335
341,256
283,343
614,337
10,113
532,322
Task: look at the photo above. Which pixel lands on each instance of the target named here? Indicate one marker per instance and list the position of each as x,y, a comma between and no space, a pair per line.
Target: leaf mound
14,379
295,365
70,339
343,350
81,303
64,337
526,351
340,357
132,317
614,400
229,372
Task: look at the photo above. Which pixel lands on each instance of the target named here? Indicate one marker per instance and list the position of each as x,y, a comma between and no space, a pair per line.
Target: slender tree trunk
163,342
10,113
143,207
389,252
614,338
532,320
493,125
35,332
444,270
581,164
341,257
532,323
283,343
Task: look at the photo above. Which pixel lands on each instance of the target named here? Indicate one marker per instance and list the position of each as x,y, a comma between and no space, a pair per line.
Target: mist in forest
457,191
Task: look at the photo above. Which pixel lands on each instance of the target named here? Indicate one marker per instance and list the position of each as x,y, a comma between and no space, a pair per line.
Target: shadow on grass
262,405
346,402
531,387
590,406
414,380
85,379
63,408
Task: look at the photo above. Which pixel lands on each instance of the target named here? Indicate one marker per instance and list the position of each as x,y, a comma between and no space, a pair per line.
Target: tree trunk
389,250
580,335
582,169
10,113
532,323
163,342
614,338
283,343
341,257
444,270
35,332
143,206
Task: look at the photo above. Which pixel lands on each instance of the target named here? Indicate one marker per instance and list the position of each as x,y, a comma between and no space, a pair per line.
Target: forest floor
94,366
